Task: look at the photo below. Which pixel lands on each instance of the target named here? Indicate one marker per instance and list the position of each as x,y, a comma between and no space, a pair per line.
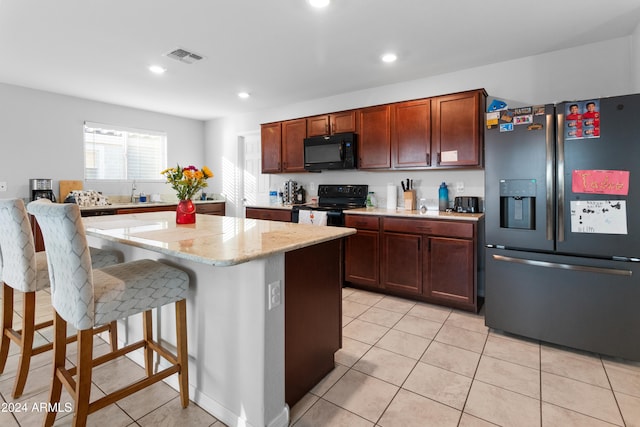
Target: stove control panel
343,191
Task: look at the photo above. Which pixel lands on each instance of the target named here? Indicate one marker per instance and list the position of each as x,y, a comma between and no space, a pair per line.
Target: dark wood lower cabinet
313,316
401,262
428,260
449,266
362,251
269,214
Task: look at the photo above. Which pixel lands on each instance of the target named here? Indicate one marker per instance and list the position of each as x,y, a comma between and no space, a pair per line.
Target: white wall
41,137
590,71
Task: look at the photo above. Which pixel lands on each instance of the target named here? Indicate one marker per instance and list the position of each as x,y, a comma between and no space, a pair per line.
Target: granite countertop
214,240
399,212
115,206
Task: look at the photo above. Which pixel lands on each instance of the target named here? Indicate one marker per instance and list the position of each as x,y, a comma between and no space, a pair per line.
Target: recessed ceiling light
156,69
243,95
319,3
389,57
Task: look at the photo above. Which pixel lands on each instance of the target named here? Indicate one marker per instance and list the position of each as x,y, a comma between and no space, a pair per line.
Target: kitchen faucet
133,190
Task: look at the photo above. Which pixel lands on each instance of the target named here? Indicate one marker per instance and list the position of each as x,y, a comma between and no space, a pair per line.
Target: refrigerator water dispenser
518,203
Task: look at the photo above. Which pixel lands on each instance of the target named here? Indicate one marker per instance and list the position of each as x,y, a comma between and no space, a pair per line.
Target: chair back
69,261
18,267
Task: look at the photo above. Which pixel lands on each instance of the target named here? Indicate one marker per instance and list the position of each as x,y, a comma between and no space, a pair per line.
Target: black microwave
330,152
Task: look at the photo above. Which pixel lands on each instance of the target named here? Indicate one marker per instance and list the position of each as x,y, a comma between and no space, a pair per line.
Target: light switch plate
3,186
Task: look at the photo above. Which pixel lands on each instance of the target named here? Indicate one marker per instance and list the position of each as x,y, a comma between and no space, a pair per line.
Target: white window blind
119,153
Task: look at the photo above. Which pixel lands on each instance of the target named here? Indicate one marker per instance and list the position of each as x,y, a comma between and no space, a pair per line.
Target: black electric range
335,199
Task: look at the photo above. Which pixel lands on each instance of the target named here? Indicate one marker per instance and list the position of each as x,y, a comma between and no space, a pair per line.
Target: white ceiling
281,51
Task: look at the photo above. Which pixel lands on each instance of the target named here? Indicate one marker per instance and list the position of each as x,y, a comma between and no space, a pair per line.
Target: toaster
466,204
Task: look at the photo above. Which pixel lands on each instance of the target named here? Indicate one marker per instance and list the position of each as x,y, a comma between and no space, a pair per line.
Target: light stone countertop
213,240
399,212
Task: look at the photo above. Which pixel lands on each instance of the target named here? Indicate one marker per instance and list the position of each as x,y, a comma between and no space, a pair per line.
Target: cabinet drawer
211,208
362,222
431,227
269,214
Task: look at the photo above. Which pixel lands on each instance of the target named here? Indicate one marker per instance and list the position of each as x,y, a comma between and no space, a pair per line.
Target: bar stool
86,297
25,270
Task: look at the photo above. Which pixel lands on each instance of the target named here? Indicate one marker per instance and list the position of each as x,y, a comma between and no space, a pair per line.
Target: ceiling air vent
183,55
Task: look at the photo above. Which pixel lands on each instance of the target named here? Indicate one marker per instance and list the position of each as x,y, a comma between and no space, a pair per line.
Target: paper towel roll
392,196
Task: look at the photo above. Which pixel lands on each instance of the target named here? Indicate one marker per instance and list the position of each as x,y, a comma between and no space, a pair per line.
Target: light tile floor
412,364
402,364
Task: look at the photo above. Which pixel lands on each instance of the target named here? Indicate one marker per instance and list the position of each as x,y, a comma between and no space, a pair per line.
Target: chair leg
7,323
26,342
59,355
113,335
83,381
147,331
183,354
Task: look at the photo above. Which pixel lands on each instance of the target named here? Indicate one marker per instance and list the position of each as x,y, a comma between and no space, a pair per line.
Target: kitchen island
261,292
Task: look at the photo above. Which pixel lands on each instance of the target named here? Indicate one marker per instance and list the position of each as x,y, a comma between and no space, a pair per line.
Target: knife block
410,200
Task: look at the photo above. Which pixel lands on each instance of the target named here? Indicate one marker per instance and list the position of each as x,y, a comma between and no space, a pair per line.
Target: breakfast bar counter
260,292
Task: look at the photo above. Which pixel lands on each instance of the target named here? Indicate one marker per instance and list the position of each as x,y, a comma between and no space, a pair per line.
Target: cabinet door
402,262
411,134
362,258
271,138
293,134
318,125
457,128
343,122
374,138
449,267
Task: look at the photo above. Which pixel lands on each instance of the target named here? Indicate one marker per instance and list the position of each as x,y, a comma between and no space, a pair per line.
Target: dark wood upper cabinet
457,137
328,124
271,146
293,134
374,137
430,133
411,134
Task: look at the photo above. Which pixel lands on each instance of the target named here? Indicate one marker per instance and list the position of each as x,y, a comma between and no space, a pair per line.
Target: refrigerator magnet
506,127
523,120
535,126
538,110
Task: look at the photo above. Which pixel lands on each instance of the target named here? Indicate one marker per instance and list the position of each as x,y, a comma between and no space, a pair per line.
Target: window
119,153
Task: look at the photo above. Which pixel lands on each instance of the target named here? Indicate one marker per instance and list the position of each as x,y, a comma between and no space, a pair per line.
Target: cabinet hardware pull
428,160
574,267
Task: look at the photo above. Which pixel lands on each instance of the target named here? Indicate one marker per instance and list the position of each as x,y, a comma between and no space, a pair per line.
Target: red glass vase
186,212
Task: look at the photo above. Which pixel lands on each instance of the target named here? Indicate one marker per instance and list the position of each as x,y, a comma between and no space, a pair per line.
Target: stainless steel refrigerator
562,215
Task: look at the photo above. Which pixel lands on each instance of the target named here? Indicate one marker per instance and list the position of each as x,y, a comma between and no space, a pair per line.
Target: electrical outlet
459,187
3,186
274,295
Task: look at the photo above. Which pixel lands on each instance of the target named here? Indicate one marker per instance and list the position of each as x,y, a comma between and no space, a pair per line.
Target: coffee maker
42,188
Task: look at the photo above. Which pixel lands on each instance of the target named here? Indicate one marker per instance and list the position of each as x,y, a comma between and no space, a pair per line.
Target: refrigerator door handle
560,177
584,268
549,174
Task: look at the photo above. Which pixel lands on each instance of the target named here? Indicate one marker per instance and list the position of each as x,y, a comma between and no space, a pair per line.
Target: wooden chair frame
24,337
80,387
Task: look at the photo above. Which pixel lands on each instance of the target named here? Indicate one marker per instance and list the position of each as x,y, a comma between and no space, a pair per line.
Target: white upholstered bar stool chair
86,297
25,270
